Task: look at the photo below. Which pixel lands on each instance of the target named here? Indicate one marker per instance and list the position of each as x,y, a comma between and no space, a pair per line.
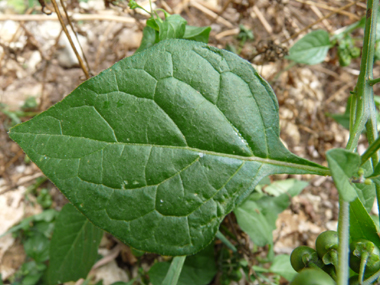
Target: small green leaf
293,186
74,246
252,221
172,28
199,34
281,266
366,193
361,224
150,37
152,23
161,146
257,215
198,269
344,165
37,247
311,49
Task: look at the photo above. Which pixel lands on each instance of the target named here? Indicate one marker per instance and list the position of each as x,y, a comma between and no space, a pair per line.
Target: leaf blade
155,148
344,164
311,49
74,237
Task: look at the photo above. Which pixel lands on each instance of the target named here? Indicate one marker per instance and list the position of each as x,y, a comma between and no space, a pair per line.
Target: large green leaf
311,49
161,146
73,247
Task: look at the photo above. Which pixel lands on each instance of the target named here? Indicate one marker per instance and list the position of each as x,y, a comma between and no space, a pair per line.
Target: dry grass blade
76,17
262,19
56,8
329,8
75,34
319,20
211,14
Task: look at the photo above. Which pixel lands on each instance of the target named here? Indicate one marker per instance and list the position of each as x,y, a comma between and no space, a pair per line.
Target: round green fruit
325,242
304,256
364,249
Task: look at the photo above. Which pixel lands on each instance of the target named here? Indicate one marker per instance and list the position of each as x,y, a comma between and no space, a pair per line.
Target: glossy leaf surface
311,49
161,146
74,246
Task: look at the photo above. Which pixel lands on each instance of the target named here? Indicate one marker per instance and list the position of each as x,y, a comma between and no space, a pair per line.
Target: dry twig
319,20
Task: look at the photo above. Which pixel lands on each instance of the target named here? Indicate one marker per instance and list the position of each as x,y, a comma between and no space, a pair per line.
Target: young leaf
198,34
311,49
344,165
161,146
172,28
150,37
198,269
152,23
253,222
258,214
366,193
37,247
281,266
289,185
361,224
74,246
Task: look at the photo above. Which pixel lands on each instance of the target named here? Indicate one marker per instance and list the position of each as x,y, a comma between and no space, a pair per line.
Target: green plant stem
174,271
363,263
372,278
369,45
372,150
364,93
220,236
373,81
352,110
343,235
363,116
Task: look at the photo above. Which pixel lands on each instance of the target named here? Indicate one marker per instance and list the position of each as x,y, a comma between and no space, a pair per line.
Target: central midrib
314,169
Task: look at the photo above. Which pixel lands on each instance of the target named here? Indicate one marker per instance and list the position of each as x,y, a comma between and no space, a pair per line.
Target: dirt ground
36,60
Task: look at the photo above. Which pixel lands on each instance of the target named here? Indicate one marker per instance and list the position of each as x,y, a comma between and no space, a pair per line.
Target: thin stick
319,15
222,11
318,21
227,33
70,39
211,14
329,8
75,34
262,19
76,17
